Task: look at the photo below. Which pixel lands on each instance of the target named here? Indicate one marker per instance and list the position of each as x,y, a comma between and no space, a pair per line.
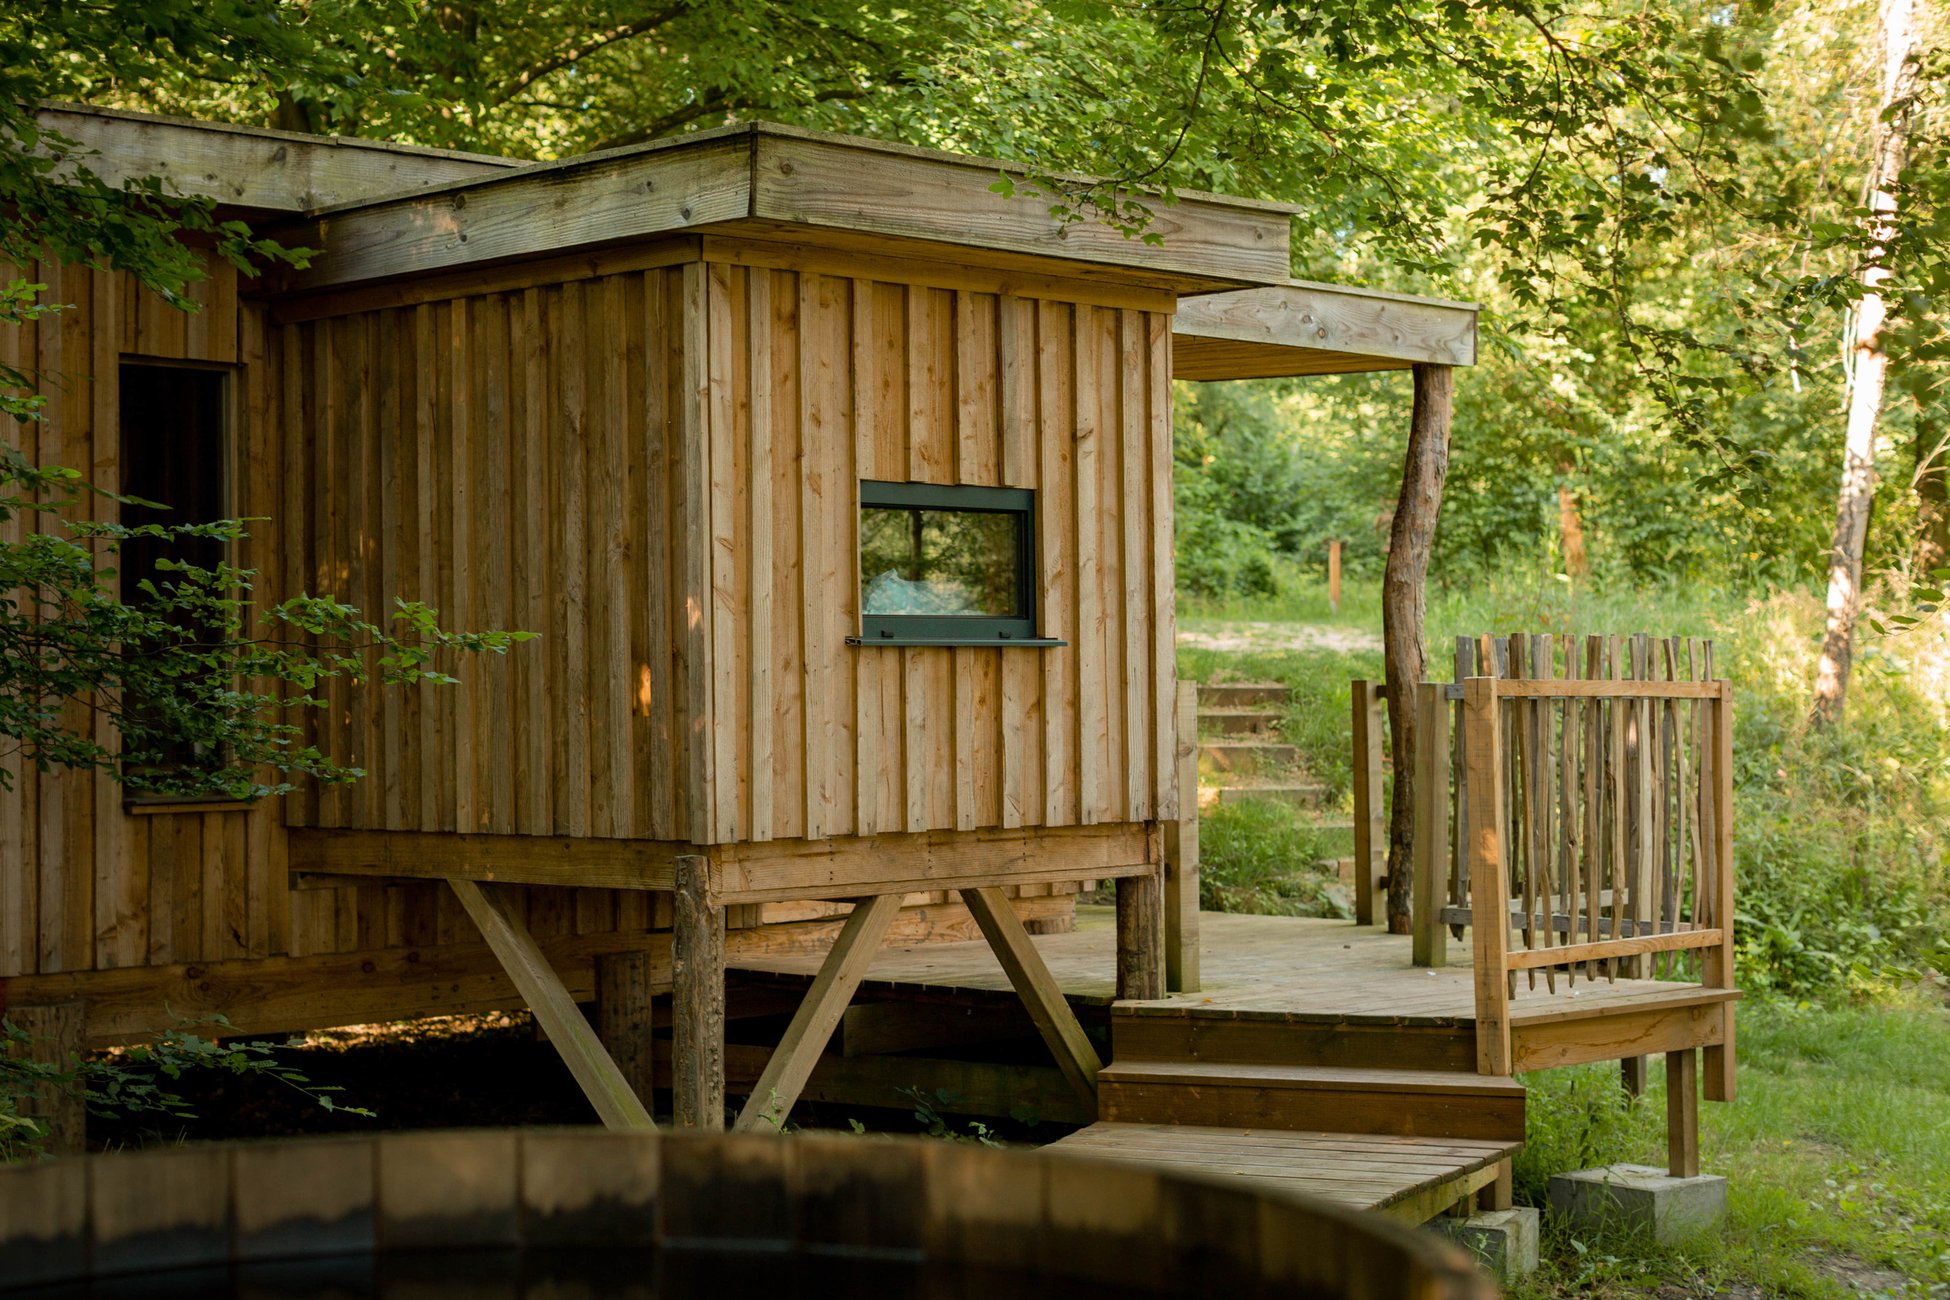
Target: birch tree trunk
1404,605
1869,368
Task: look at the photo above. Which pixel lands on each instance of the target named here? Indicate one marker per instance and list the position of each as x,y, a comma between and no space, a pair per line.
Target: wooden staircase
1240,754
1391,1118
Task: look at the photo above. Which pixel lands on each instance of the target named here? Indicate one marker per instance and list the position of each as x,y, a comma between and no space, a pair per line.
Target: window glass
940,562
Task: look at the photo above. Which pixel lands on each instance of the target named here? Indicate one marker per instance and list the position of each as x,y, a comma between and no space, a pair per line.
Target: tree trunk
1570,528
1403,607
1870,369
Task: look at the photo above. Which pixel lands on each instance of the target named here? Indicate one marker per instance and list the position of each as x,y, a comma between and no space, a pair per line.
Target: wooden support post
1370,803
1682,1114
1411,537
1502,1193
1489,880
1431,937
1716,969
57,1031
1181,855
1631,1076
792,1061
624,1020
495,912
1140,937
1041,995
1334,574
697,998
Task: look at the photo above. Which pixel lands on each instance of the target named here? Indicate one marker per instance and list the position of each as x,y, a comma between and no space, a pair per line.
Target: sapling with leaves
187,664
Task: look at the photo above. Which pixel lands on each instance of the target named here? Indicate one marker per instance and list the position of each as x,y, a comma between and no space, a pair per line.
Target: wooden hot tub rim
1156,1232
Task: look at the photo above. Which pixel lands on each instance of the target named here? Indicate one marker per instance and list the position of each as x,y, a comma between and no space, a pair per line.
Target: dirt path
1250,636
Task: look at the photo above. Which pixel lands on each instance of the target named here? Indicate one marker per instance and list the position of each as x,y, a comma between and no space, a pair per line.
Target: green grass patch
1837,1156
1262,856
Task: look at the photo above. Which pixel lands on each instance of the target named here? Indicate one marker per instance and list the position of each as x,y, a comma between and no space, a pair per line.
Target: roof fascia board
1316,318
246,167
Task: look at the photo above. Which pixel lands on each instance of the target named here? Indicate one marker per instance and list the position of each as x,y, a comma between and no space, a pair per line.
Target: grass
1837,1156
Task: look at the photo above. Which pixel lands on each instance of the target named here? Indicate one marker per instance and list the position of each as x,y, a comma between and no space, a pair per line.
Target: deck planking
1254,967
1358,1170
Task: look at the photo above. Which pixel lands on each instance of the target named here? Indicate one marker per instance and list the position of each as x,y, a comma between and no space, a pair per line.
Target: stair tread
1308,1077
1365,1170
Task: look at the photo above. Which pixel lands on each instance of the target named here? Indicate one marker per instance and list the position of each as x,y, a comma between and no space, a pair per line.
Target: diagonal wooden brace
1038,989
792,1061
542,989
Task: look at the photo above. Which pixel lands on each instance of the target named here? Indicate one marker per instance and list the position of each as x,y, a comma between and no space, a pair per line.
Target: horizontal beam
1304,329
845,867
271,171
1573,953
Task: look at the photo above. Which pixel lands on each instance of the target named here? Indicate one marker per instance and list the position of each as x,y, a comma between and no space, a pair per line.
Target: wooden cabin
839,489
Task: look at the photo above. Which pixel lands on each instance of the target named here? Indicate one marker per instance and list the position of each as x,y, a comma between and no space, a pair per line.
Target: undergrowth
1263,857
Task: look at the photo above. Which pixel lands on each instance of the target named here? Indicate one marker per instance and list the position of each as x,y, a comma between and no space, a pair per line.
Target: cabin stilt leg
1181,855
1502,1193
792,1061
58,1034
1631,1074
623,1017
495,912
1140,937
1682,1113
697,998
1041,995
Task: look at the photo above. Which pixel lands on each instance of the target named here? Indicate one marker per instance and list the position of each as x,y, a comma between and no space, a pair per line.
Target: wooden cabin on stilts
839,489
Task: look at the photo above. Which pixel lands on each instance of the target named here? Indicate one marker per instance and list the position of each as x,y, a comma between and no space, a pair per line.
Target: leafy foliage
179,663
135,1080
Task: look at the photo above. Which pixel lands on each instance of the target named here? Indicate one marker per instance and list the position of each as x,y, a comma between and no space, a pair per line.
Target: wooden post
1489,881
1334,574
1431,942
1682,1114
792,1061
697,998
1370,811
1631,1076
58,1031
623,1018
1140,937
1041,995
1501,1194
1181,855
1716,967
495,911
1404,608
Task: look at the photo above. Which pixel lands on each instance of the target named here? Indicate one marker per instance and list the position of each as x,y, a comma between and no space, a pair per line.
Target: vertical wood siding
515,460
816,381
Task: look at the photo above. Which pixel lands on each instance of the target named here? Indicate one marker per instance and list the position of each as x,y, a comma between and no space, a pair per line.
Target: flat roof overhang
1303,328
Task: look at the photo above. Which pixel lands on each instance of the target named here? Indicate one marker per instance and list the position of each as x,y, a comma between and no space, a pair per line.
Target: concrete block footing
1641,1196
1504,1242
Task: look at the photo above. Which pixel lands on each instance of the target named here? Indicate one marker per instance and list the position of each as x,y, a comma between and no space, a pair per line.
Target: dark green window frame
1015,629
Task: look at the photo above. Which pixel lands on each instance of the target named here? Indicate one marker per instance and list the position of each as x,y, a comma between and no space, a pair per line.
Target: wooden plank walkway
1257,967
1410,1178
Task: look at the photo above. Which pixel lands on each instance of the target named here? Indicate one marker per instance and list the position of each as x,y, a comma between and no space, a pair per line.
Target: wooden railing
1585,796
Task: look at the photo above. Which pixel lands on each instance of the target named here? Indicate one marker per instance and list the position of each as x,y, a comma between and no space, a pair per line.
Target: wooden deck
1255,967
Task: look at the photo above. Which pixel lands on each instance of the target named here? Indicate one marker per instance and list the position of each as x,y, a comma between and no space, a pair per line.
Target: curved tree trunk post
1870,366
1403,607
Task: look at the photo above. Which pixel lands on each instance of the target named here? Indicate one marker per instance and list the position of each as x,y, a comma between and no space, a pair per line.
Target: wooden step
1175,1034
1245,758
1241,695
1300,794
1412,1179
1237,722
1407,1103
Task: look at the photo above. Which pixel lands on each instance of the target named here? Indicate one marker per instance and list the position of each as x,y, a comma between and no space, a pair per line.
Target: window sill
1004,642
